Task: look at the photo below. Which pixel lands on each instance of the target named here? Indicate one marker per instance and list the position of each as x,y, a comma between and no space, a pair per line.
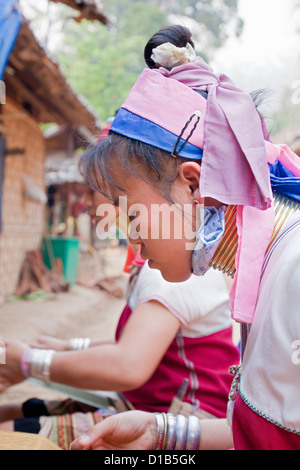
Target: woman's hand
10,372
131,430
49,342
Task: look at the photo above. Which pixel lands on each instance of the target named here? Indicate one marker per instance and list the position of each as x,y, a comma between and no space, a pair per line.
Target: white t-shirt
201,303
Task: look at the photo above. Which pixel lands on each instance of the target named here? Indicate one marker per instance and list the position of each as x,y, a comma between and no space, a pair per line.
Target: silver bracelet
79,343
193,433
39,362
161,422
171,432
181,432
177,432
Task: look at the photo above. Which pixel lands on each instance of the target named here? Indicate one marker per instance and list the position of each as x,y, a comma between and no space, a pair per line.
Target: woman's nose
133,236
87,200
134,240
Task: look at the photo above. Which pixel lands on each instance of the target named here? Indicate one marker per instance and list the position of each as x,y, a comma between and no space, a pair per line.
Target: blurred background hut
36,95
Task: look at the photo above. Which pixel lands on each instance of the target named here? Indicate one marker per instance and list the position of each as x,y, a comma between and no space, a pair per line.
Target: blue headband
136,127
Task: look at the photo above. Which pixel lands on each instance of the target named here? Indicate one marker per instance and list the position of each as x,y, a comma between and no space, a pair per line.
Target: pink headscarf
233,139
234,143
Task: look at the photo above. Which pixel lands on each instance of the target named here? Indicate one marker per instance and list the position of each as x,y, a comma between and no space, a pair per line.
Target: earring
195,202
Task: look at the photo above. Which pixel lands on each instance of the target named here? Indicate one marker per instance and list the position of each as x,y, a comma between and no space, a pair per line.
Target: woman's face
92,200
164,231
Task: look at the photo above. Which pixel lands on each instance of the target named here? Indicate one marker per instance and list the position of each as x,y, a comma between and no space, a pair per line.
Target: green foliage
213,18
140,20
102,64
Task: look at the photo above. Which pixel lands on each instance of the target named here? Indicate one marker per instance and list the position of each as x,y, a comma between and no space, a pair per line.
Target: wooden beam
42,111
87,10
15,151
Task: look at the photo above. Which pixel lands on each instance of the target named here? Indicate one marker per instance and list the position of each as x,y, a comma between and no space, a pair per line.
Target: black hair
178,35
102,164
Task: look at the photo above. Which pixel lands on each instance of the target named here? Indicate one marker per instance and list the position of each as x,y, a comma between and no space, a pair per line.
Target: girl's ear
189,175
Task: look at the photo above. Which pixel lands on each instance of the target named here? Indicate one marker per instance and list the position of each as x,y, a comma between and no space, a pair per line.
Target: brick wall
22,219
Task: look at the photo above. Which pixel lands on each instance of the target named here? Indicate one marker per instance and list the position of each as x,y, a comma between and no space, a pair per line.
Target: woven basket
25,441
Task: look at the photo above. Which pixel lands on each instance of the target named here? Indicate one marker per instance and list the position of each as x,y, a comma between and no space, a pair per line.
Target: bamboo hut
36,93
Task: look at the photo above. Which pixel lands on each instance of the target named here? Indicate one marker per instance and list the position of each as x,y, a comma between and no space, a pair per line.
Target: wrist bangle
25,363
193,433
181,432
177,432
161,422
171,432
79,343
36,363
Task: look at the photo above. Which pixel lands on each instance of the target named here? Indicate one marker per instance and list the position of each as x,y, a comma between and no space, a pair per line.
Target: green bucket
68,250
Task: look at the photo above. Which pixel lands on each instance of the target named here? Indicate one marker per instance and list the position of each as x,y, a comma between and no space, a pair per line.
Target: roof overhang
88,9
36,83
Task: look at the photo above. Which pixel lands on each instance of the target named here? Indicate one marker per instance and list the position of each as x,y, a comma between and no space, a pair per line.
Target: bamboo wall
22,219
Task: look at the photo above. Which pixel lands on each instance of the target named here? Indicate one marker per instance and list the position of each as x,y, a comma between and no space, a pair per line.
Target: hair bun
175,35
168,56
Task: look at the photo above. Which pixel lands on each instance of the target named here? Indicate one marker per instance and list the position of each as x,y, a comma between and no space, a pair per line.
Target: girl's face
92,200
164,231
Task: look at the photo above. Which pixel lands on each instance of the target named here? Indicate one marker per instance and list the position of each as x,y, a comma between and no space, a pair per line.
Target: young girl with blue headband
188,136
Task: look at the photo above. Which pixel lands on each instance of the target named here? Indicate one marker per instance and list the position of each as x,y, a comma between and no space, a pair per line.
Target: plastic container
68,250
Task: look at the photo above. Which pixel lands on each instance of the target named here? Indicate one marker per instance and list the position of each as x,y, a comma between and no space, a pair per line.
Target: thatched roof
88,9
60,169
64,148
36,83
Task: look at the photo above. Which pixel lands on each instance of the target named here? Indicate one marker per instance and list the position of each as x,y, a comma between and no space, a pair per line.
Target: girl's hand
124,431
10,372
48,342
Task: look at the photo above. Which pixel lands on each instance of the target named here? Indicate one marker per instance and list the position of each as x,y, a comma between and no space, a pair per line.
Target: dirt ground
83,311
